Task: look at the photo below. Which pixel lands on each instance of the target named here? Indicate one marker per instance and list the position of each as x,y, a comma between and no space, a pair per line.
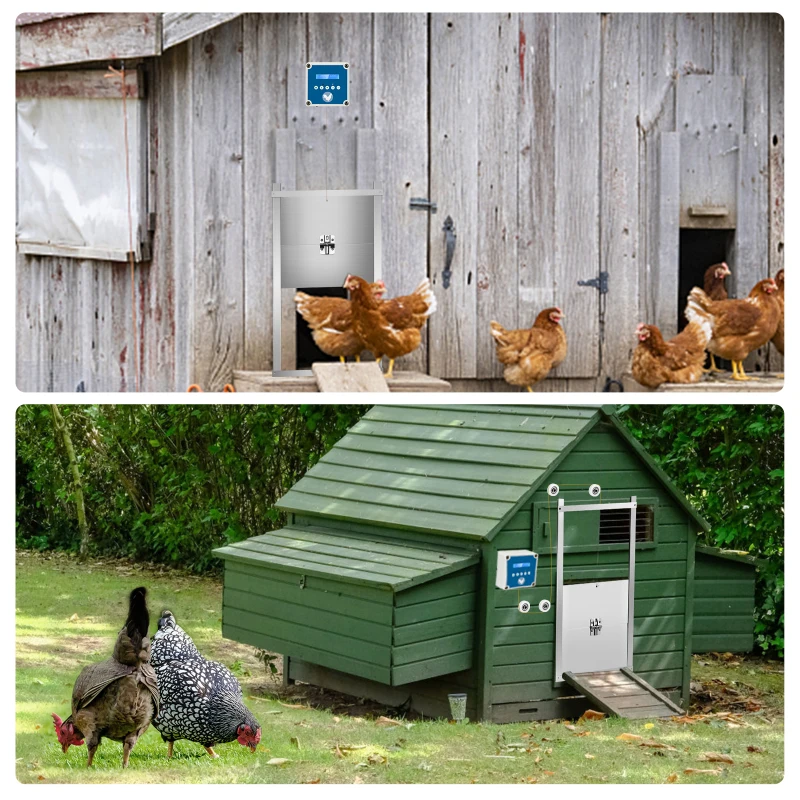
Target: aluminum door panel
351,220
303,266
595,632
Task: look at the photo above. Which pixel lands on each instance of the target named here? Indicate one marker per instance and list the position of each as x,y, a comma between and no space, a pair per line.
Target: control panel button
327,97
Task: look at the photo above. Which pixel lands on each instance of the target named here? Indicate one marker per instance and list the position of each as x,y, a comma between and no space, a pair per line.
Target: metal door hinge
600,283
422,204
449,229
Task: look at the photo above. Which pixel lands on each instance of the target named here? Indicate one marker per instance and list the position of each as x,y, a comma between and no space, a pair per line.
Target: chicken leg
713,367
210,751
391,367
170,745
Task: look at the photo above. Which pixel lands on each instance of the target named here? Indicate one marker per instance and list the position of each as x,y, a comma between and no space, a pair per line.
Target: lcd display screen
327,76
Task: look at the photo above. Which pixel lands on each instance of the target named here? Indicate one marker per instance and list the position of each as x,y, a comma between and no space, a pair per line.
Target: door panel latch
449,229
600,283
422,204
327,245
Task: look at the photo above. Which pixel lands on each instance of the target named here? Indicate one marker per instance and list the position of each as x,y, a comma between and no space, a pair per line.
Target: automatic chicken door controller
328,83
516,569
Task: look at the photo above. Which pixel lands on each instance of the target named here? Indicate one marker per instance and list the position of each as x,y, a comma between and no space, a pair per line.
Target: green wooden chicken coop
479,549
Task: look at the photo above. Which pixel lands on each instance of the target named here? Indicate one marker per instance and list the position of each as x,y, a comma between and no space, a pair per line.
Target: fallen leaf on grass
547,772
358,779
41,778
570,727
292,705
629,737
752,748
376,758
73,618
672,777
589,756
425,766
337,719
722,758
649,726
582,733
657,745
591,714
692,771
313,780
295,741
277,762
530,779
36,727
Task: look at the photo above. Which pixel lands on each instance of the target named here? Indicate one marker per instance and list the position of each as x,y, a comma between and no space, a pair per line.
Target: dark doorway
699,249
307,350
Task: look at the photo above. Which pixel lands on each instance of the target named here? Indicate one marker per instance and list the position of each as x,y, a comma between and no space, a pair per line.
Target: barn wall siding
552,169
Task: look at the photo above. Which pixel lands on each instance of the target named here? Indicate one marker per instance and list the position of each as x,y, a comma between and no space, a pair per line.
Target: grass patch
68,616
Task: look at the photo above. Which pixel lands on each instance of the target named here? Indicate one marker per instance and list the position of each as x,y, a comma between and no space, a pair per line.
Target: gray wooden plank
497,43
668,233
657,56
577,219
709,104
177,27
285,175
454,124
264,111
400,119
538,281
88,37
335,377
619,195
219,227
776,166
694,40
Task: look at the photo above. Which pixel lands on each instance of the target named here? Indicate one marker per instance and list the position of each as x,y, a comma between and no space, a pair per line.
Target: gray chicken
118,697
200,699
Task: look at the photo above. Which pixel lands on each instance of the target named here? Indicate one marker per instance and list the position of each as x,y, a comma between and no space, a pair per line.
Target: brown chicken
331,323
714,281
116,698
777,339
738,326
679,360
530,353
390,327
714,287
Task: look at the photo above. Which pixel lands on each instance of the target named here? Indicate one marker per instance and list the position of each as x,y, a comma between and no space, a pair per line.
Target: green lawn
53,645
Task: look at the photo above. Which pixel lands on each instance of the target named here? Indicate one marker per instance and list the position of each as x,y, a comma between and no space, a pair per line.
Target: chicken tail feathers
138,621
498,332
425,291
696,311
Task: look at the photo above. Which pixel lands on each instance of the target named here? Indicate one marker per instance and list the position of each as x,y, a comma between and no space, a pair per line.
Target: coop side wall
520,654
723,610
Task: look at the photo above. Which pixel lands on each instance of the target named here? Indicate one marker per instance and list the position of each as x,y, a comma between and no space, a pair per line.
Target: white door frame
563,509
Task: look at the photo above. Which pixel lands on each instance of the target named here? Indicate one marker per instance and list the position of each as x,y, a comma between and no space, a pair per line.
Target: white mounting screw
544,606
594,490
553,490
524,606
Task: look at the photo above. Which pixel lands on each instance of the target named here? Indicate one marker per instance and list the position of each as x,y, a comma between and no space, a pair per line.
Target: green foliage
167,483
729,461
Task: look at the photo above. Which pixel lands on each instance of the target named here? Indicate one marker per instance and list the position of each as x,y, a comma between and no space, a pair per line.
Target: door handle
449,250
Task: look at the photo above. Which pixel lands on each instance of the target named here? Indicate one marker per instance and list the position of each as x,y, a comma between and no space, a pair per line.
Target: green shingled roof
350,557
456,470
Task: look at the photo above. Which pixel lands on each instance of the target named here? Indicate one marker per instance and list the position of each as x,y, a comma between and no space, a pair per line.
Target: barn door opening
594,617
698,249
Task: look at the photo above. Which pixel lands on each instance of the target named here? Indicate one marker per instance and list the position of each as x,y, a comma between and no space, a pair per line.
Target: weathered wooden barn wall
552,140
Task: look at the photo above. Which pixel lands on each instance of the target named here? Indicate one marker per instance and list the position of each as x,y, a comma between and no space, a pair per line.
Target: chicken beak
252,747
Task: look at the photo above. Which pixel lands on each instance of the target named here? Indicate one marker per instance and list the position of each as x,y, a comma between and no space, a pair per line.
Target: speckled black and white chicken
200,699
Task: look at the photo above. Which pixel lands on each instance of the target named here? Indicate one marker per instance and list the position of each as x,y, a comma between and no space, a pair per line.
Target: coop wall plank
219,219
620,253
776,168
577,178
400,118
454,113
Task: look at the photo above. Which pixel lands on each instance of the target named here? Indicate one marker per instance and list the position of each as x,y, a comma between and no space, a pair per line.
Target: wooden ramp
249,381
622,693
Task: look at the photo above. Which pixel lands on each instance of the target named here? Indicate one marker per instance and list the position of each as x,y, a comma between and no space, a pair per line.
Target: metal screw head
347,66
347,102
308,102
308,66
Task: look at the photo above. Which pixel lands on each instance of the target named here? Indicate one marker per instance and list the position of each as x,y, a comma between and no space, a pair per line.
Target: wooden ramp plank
256,381
622,693
358,377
